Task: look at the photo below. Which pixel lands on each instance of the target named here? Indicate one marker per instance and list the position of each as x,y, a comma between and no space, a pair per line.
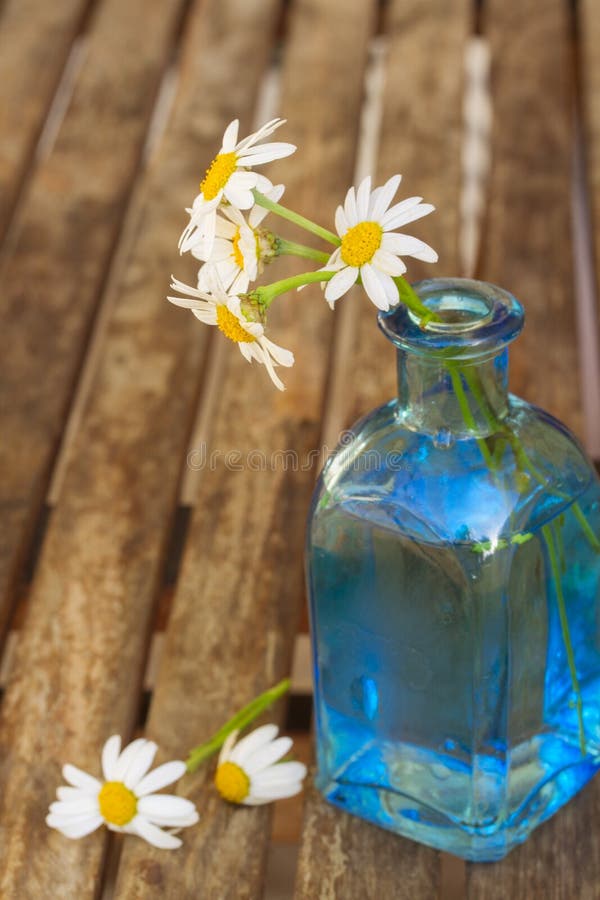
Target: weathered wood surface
589,41
80,663
342,857
528,250
67,229
527,236
232,626
35,41
355,859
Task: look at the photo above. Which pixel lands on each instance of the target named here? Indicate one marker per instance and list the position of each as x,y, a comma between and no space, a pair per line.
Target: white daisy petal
258,213
262,132
350,208
208,318
264,757
374,288
341,282
166,774
406,245
382,197
263,184
388,263
399,218
282,773
362,197
85,803
281,792
80,779
281,356
263,357
155,835
140,764
257,738
127,756
76,830
167,809
341,222
110,755
243,199
389,286
230,137
266,153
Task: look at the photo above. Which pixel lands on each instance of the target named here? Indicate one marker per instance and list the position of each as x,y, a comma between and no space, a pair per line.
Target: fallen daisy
250,771
125,800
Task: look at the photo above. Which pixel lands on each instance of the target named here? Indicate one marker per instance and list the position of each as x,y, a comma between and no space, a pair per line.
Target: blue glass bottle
454,580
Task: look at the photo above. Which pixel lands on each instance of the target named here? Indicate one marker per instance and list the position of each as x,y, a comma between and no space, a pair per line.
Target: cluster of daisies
226,233
125,799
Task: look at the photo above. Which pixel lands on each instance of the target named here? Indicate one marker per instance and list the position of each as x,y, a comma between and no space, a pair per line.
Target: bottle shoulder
444,486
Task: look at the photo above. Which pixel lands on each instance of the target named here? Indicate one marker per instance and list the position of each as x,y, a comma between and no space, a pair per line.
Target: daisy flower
240,248
228,178
225,311
370,248
249,772
125,800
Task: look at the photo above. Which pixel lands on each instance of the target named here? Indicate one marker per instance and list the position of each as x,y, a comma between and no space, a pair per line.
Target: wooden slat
81,660
528,251
236,609
527,237
66,232
343,857
589,37
421,138
35,40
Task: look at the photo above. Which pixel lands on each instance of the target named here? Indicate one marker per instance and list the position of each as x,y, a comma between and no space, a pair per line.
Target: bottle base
487,841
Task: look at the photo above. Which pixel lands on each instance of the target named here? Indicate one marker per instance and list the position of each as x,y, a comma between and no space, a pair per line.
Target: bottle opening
456,312
469,318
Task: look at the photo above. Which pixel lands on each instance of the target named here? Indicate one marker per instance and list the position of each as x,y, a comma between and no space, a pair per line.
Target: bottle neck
452,397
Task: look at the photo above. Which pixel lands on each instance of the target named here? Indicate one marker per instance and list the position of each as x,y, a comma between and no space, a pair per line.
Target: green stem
296,218
241,719
290,248
410,298
455,375
564,624
586,528
264,296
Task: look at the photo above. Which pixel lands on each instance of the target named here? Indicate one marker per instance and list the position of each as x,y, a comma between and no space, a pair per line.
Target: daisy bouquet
228,235
226,232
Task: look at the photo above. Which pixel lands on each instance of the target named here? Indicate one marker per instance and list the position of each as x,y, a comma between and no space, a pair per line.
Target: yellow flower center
361,242
232,782
231,326
237,253
118,805
218,174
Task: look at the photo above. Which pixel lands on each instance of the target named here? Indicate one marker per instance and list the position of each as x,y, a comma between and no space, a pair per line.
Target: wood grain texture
421,138
35,38
67,228
527,246
236,609
560,861
343,857
589,41
79,669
